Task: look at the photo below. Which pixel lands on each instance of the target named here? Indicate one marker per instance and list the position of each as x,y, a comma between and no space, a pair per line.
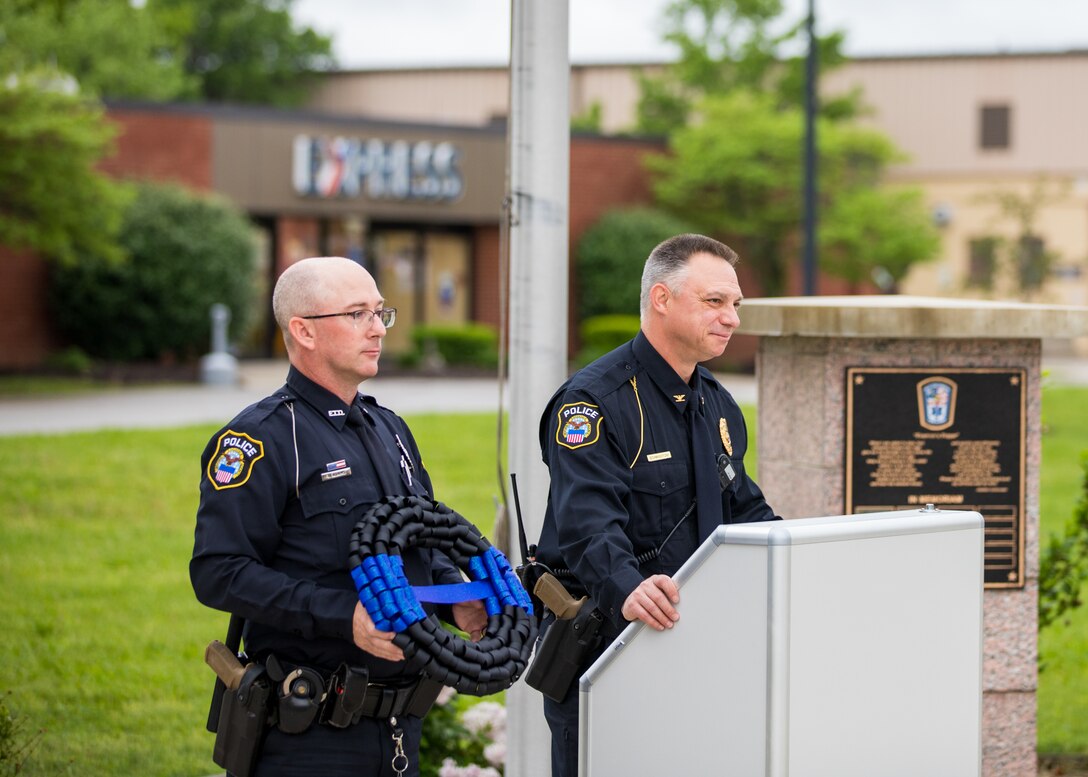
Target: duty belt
383,701
306,696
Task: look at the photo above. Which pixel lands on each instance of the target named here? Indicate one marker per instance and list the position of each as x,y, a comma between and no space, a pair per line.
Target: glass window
982,263
426,275
994,124
396,259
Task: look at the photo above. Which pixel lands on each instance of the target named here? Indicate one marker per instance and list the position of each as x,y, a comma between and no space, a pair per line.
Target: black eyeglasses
388,316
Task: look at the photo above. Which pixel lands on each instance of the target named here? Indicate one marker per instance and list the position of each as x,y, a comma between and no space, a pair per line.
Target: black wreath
395,524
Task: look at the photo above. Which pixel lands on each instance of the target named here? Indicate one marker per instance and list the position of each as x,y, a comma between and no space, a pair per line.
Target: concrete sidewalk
178,405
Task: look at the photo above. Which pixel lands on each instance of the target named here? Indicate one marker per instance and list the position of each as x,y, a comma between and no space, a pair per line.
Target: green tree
726,45
732,107
110,47
1026,256
1063,565
246,51
185,253
52,199
876,232
610,255
590,121
737,172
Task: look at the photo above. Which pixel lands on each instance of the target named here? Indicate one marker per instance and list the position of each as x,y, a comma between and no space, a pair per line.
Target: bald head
305,287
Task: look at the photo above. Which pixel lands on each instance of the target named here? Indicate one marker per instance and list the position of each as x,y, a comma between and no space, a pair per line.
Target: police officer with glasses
282,486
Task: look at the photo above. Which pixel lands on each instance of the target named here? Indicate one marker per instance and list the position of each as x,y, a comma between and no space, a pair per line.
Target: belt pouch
423,697
300,697
562,651
344,700
243,720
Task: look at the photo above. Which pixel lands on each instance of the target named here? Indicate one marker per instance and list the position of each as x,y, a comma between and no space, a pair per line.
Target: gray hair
668,262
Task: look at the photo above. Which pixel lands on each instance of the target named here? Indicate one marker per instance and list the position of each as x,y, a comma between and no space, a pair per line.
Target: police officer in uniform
282,487
646,454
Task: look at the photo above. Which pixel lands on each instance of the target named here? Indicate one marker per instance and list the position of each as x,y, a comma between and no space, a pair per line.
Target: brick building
419,203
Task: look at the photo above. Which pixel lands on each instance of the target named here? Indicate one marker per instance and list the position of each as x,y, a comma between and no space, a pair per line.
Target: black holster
243,720
562,652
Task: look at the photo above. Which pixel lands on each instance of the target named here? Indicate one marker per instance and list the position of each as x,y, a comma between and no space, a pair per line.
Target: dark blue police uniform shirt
282,487
617,444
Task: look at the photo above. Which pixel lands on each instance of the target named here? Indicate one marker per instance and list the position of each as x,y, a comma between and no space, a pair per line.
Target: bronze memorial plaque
952,437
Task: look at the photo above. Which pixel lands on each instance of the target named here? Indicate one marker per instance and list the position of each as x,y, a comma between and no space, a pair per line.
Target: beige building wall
473,95
470,96
968,212
614,87
931,107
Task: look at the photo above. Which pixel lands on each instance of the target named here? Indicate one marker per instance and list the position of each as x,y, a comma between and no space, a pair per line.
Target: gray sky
381,33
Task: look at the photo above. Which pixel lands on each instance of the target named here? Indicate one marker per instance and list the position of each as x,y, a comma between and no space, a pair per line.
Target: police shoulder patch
579,425
232,464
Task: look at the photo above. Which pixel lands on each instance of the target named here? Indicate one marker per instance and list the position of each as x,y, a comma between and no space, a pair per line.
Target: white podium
846,646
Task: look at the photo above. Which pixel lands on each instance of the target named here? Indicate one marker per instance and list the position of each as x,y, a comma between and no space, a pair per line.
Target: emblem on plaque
937,403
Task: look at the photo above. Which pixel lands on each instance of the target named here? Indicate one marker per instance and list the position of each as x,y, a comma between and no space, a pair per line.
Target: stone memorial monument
870,404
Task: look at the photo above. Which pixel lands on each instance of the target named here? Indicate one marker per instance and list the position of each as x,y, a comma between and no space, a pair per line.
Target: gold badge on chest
723,429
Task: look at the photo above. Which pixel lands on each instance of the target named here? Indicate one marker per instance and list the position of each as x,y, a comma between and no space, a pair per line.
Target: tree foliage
610,256
185,253
52,199
1027,260
737,172
732,107
1063,566
727,45
246,51
876,232
110,47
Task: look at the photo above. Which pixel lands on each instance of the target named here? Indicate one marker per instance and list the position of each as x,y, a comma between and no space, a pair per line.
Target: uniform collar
663,375
328,405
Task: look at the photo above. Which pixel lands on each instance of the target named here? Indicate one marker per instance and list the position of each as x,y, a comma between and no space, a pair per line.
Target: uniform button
344,501
662,485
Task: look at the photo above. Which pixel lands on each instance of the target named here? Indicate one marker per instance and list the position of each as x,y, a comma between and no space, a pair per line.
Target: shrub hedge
601,334
610,256
469,345
184,253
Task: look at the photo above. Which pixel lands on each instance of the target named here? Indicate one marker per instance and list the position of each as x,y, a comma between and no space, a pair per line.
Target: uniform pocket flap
659,477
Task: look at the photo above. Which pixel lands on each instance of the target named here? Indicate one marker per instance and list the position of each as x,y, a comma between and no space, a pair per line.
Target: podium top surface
907,317
836,528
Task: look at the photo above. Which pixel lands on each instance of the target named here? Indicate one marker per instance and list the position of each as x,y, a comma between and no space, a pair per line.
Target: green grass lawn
104,640
1063,683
